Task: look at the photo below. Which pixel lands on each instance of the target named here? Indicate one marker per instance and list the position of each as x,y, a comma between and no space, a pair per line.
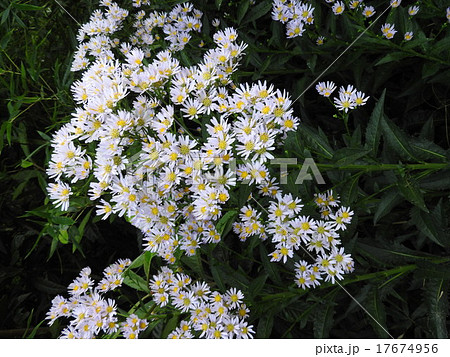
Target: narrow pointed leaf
373,130
397,139
387,202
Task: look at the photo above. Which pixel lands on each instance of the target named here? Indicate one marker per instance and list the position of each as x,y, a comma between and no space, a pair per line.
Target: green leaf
48,286
44,136
170,326
436,298
438,181
148,256
63,236
83,223
427,269
388,201
427,150
375,306
265,326
218,3
242,10
429,225
430,68
394,56
135,281
349,192
243,195
194,263
318,140
258,11
440,46
373,130
19,189
34,331
5,14
138,262
28,7
66,221
75,236
217,274
409,189
185,58
226,223
347,156
257,284
269,267
323,317
262,68
397,139
53,245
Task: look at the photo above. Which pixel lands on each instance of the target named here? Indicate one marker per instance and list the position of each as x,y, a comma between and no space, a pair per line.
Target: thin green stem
135,306
401,270
381,167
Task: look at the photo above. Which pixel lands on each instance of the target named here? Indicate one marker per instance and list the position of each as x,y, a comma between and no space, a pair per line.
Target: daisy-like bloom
448,14
134,57
360,98
333,273
281,254
305,10
313,276
216,22
368,11
354,4
234,297
302,281
245,331
388,31
320,40
295,14
294,28
338,7
59,192
325,262
395,3
210,313
350,90
342,218
342,260
412,10
192,108
326,89
408,36
105,209
345,102
90,313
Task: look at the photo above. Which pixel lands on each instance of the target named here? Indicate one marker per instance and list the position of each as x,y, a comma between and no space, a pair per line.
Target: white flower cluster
290,232
134,137
90,313
96,40
388,31
349,98
212,315
295,14
331,260
134,134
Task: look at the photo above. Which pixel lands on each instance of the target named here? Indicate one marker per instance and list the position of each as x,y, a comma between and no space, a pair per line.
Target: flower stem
382,167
